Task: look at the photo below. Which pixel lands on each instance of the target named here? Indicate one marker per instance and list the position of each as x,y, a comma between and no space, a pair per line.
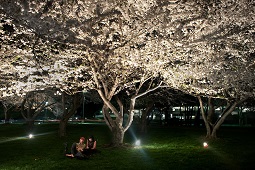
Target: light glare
30,136
205,144
138,143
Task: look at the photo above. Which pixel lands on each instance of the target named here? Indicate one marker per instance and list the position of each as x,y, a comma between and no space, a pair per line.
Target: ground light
138,143
205,144
24,137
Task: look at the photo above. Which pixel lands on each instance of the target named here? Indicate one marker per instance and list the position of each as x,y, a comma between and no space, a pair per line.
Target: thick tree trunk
118,136
115,126
62,128
30,124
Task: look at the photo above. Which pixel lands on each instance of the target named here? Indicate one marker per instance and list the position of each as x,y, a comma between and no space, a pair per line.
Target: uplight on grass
205,144
30,136
138,143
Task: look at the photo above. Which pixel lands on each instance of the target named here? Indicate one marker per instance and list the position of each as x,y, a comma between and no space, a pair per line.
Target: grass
162,148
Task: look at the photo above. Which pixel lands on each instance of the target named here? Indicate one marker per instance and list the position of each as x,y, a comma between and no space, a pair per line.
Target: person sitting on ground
91,143
91,146
77,149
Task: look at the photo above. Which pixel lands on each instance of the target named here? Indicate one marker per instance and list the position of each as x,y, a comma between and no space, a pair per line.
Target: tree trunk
62,128
30,125
220,121
144,122
7,107
106,93
28,116
144,117
211,128
241,116
167,116
67,114
30,113
115,126
197,117
118,136
6,117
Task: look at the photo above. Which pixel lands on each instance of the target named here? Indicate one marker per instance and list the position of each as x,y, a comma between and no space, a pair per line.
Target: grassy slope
162,148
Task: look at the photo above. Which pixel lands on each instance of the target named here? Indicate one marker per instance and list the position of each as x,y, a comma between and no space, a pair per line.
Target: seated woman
77,149
91,146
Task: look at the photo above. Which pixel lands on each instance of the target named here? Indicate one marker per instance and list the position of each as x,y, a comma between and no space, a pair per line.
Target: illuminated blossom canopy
199,47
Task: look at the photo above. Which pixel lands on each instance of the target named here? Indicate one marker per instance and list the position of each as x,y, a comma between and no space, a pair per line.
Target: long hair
92,137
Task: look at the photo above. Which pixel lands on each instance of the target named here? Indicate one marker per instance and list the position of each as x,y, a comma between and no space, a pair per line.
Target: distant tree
31,106
68,110
211,125
63,106
7,105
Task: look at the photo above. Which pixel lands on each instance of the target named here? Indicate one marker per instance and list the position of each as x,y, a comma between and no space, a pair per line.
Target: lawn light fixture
138,143
30,136
205,144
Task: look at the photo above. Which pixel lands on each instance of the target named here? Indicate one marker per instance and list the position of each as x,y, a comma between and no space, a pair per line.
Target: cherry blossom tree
63,106
214,56
8,104
203,48
32,105
110,41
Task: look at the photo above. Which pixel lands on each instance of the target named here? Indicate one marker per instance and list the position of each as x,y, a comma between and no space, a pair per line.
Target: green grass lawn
162,148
